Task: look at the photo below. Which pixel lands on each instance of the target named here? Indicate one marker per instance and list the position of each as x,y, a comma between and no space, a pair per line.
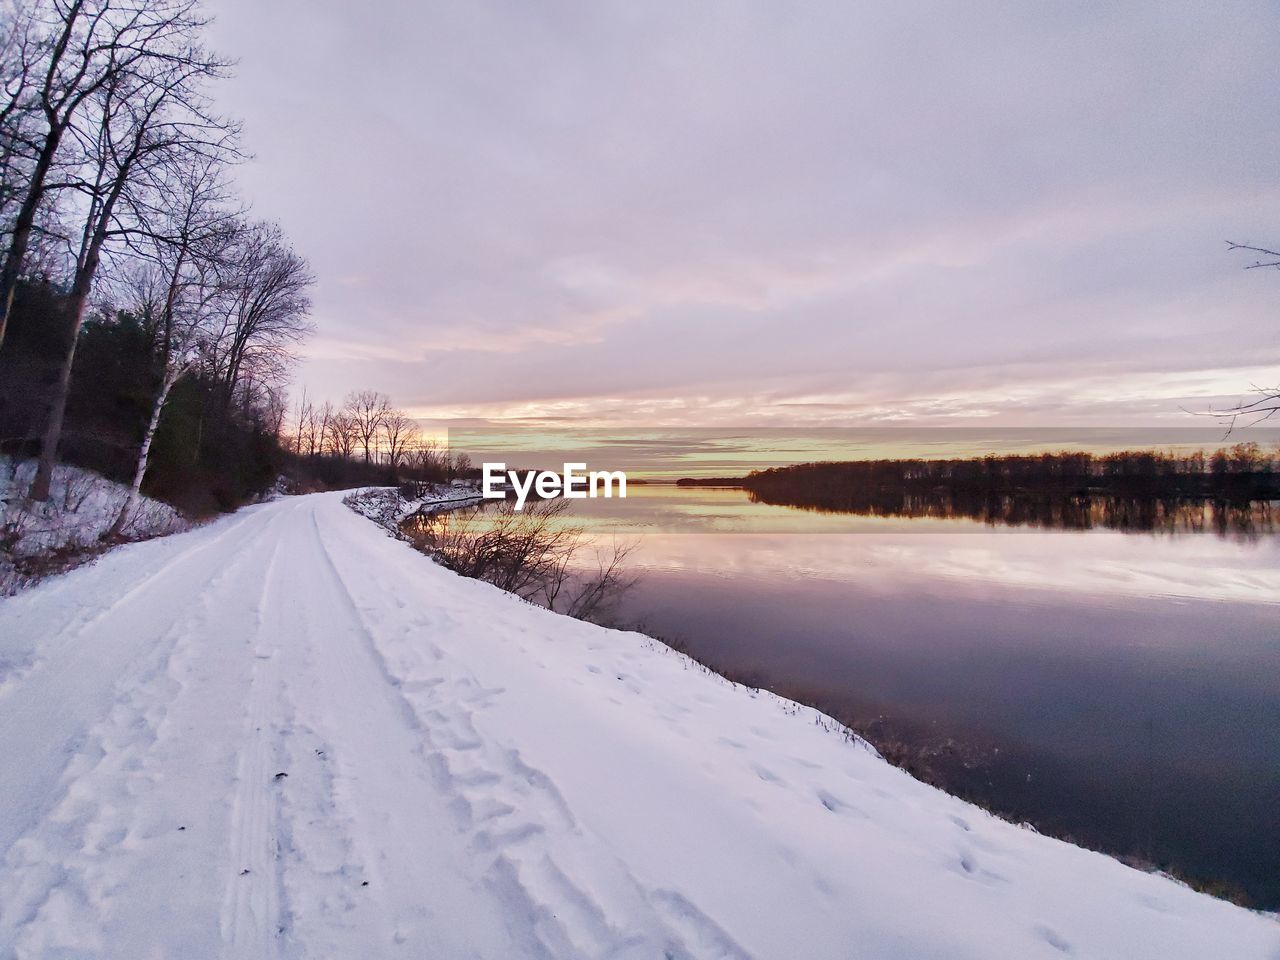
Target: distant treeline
364,441
1228,491
1241,472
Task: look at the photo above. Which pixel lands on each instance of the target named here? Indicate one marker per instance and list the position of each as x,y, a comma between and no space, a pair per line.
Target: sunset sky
757,213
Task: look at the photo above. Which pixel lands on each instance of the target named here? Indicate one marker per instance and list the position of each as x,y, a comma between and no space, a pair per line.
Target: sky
772,214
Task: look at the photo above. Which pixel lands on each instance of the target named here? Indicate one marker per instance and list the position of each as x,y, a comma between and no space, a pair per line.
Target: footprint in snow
831,801
1053,938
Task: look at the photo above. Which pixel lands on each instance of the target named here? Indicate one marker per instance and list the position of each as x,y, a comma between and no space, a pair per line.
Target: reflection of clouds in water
1100,564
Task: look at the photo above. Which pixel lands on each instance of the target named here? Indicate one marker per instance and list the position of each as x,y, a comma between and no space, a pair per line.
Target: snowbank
81,508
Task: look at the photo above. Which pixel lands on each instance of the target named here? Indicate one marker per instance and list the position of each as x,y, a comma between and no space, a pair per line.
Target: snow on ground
286,734
81,508
386,507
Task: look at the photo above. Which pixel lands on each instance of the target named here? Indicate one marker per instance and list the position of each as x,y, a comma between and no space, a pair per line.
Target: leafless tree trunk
73,51
193,230
305,417
145,115
277,408
130,504
266,313
323,424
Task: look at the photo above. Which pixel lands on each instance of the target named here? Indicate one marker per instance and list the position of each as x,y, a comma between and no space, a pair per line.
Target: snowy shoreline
389,508
386,507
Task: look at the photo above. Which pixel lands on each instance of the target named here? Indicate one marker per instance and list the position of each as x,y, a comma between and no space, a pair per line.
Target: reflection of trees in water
1231,492
1247,520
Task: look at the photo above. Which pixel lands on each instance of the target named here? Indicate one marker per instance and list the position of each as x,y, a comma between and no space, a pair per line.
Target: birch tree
185,244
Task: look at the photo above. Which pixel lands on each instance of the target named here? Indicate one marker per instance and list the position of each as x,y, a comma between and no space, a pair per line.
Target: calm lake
1118,688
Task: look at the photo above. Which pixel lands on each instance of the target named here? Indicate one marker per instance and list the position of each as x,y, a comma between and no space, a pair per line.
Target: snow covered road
288,735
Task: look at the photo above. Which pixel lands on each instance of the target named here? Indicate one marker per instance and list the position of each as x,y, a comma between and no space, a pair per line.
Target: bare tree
184,241
141,117
342,435
399,433
264,313
1266,402
275,409
304,428
595,596
71,54
321,419
19,60
367,410
427,458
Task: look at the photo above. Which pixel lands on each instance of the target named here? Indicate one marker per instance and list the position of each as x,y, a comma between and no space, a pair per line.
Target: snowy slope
82,507
288,735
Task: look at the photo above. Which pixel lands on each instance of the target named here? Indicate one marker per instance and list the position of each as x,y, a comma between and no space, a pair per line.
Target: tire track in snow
324,876
87,612
418,864
61,876
46,716
252,916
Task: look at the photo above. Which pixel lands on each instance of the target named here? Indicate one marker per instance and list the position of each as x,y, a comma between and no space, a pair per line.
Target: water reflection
1117,688
1048,661
1246,520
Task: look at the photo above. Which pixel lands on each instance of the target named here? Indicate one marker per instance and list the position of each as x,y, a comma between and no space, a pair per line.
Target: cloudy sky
772,213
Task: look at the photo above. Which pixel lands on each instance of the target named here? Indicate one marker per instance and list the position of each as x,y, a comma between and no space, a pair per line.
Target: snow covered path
287,735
